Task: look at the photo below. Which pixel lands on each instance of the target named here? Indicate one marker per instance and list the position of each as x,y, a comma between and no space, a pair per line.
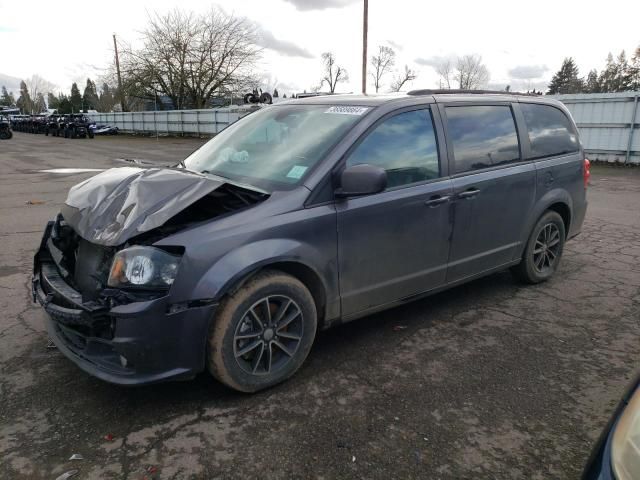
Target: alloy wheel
268,335
547,248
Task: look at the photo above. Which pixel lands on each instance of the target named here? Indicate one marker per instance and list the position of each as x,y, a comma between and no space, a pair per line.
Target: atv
51,125
5,129
78,125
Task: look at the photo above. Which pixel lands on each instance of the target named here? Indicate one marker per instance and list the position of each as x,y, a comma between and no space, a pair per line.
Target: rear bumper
579,212
131,344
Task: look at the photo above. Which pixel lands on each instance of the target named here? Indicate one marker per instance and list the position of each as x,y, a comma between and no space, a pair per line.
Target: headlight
143,267
625,447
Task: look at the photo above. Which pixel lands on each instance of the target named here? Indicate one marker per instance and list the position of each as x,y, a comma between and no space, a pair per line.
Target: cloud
266,39
524,72
307,5
395,45
433,61
519,85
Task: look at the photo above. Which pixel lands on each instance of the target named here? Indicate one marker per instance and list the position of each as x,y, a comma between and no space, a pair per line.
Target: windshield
275,147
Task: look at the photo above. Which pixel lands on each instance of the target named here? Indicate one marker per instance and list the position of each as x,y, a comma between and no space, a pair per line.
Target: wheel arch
233,270
557,200
564,211
302,272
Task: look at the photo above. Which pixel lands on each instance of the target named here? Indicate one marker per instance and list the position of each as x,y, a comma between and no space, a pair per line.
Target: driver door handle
436,200
472,192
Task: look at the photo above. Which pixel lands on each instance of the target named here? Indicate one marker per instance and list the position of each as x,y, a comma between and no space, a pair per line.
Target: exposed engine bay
84,263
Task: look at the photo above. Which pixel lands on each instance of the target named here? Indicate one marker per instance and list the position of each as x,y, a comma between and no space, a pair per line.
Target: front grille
84,265
91,269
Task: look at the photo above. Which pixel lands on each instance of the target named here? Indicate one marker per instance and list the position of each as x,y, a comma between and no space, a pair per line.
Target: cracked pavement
488,380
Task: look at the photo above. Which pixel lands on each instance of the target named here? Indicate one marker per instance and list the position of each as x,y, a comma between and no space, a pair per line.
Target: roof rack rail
427,91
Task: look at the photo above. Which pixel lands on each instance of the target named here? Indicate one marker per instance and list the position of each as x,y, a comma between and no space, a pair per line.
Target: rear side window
482,136
404,145
550,131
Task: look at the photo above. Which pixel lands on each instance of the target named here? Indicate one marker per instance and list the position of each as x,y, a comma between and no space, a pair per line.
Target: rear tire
262,333
543,251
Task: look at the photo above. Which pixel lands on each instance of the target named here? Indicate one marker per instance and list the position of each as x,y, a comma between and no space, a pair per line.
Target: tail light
586,172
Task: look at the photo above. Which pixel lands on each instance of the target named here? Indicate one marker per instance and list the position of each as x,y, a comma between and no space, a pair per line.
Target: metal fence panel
173,122
609,124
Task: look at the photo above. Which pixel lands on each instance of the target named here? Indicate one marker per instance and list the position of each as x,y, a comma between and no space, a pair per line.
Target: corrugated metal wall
609,124
172,122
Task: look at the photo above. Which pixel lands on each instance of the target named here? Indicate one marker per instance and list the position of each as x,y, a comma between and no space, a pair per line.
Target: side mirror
363,179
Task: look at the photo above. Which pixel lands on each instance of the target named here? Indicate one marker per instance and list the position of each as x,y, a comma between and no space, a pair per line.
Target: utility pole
115,47
365,27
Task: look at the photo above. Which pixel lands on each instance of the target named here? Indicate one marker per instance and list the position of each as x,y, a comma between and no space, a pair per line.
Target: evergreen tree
284,95
52,101
75,98
566,80
7,100
107,99
275,93
623,77
607,76
64,105
592,84
634,70
24,103
617,75
90,96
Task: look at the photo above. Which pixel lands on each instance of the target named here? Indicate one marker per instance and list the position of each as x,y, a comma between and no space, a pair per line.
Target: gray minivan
299,216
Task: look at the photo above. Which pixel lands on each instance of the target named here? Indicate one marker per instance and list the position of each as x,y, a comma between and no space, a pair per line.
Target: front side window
274,148
550,131
403,145
482,136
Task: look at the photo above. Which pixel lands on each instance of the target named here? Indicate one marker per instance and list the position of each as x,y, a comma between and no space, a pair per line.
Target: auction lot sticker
347,110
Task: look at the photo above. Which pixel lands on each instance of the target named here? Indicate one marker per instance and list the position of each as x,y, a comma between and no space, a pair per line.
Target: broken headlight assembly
625,448
143,267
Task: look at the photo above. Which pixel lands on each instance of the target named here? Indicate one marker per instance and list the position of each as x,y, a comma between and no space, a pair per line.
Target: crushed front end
123,336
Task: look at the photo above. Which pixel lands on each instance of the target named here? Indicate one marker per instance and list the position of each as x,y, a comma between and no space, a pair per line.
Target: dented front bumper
129,344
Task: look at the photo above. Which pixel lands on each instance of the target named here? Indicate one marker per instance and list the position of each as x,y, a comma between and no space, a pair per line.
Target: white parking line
71,170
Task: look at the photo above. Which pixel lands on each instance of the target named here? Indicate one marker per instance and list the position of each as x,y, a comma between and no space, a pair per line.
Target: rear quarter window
482,136
550,131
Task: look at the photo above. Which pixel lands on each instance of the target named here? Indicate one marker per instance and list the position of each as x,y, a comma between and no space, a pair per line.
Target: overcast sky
522,43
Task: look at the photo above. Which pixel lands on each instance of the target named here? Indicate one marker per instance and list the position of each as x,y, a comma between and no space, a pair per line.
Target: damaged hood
121,203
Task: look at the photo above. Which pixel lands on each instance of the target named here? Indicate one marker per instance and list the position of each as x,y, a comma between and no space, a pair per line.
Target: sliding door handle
472,192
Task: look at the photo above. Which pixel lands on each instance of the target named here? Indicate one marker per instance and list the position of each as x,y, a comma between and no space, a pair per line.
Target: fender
556,195
236,265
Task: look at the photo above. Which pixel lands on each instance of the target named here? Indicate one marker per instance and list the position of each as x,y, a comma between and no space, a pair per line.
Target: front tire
262,333
543,251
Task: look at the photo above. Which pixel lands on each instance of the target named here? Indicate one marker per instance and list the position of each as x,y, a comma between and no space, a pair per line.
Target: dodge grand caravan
299,216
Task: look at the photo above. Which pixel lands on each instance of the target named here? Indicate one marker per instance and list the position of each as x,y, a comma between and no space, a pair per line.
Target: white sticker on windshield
296,172
347,110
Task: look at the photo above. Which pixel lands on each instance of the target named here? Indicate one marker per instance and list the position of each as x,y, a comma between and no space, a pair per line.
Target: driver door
395,244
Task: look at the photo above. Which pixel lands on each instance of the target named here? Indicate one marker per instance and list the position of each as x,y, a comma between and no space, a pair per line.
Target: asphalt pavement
488,380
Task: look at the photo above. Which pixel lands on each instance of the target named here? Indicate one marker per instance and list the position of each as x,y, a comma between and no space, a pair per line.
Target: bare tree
332,73
190,58
407,76
381,64
39,87
471,73
445,70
